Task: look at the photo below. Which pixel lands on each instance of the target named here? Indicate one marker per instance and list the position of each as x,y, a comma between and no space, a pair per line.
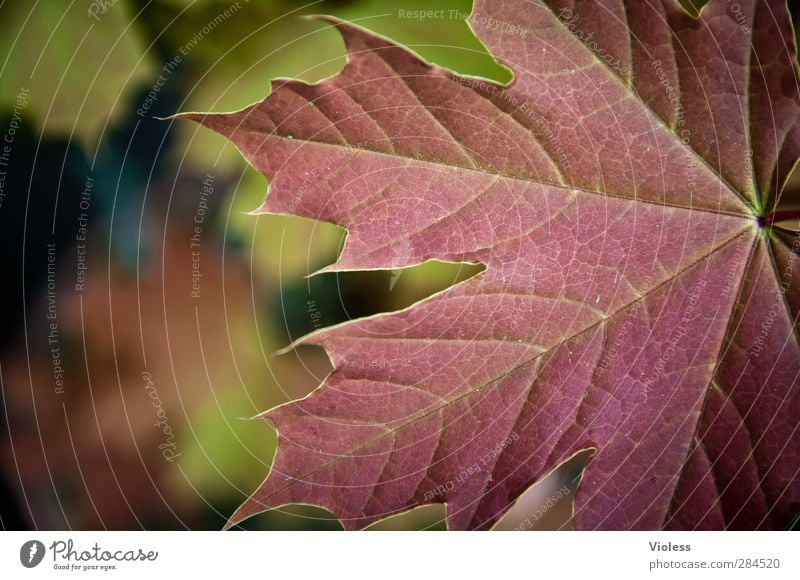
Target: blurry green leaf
77,67
222,450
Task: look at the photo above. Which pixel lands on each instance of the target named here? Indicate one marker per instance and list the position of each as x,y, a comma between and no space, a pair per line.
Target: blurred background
141,305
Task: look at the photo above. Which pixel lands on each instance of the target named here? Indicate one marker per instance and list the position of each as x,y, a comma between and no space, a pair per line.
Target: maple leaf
638,298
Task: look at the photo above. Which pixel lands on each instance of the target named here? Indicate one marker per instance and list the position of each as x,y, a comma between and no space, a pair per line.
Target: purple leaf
638,299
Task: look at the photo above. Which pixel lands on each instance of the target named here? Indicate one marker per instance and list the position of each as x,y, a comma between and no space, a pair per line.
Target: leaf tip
261,209
223,123
328,18
282,351
356,38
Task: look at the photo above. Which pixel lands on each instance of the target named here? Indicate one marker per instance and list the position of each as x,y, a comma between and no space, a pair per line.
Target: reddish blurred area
140,359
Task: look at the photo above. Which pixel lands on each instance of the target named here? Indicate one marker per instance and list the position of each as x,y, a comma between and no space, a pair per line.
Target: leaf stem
779,216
